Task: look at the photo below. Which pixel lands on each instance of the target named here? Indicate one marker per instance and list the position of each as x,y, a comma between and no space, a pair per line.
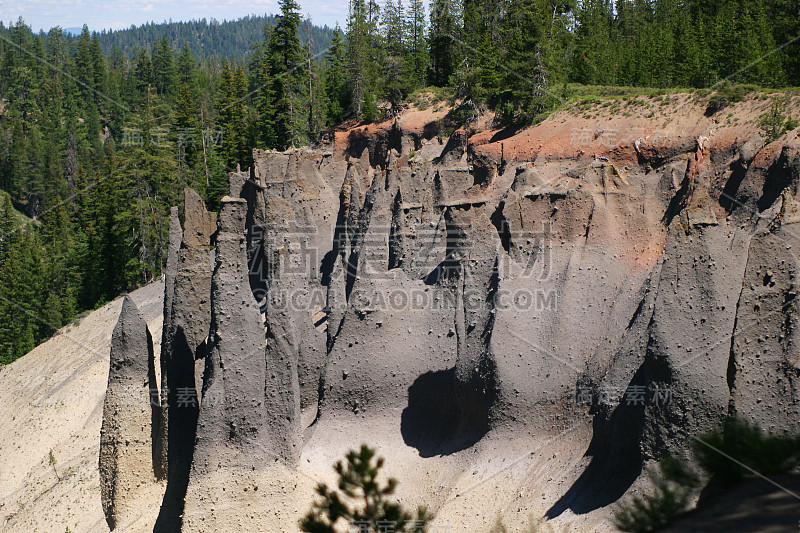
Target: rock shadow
435,422
182,414
616,451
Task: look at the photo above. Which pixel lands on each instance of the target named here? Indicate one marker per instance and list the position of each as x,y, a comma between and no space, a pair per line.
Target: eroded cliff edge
531,316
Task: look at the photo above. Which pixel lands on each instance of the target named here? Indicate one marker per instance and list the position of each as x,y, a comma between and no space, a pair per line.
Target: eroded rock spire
125,436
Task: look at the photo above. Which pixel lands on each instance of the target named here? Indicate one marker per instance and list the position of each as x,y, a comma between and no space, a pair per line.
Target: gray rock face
292,211
466,299
387,327
764,363
250,411
188,292
170,272
600,280
126,437
564,287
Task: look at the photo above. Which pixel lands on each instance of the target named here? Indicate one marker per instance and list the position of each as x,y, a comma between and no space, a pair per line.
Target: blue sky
44,14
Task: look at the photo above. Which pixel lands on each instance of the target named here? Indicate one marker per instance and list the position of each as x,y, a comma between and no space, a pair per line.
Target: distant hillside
206,38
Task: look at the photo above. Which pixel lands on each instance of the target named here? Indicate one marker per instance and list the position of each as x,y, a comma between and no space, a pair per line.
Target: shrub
726,94
52,462
370,110
567,92
362,502
734,451
737,449
466,113
774,123
673,486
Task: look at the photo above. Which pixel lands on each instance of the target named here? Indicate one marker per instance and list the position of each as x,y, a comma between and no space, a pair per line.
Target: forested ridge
99,133
231,39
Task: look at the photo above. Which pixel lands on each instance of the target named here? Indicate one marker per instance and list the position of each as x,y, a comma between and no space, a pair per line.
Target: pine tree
556,20
265,132
135,203
143,71
666,16
315,96
758,46
164,73
16,168
231,105
35,186
594,58
286,74
187,67
122,75
394,26
630,26
54,133
39,69
98,68
23,83
362,500
58,239
187,132
218,185
357,42
783,15
479,72
364,53
85,67
335,80
397,65
417,44
58,57
525,80
8,225
21,282
442,42
688,60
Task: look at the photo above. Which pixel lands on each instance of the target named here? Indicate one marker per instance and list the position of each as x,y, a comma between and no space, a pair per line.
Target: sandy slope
52,399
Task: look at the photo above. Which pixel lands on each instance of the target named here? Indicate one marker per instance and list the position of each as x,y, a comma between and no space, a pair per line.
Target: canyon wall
560,300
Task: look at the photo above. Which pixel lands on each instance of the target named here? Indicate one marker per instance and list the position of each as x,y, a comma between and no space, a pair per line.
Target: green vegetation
774,123
227,39
362,502
673,484
737,450
52,462
740,450
727,93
